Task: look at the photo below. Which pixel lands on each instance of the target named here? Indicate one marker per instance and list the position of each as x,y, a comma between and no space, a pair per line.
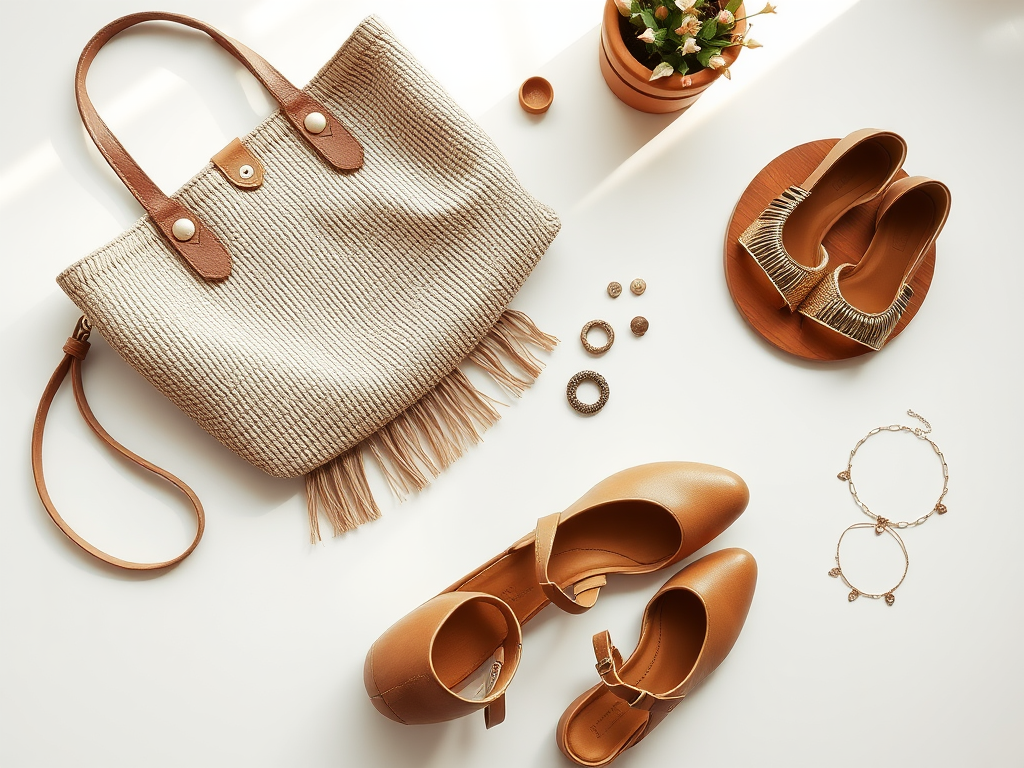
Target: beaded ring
571,388
604,327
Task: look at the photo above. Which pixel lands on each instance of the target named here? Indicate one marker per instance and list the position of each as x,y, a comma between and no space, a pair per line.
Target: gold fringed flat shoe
688,628
786,239
864,302
457,652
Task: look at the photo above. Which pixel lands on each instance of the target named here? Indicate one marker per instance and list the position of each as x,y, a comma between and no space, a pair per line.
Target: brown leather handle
201,249
75,351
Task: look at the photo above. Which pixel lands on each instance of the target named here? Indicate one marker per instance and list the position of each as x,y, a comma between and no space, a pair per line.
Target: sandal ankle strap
584,592
609,660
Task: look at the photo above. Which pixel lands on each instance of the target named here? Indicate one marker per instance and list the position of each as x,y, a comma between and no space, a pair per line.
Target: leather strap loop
74,351
609,661
202,250
585,592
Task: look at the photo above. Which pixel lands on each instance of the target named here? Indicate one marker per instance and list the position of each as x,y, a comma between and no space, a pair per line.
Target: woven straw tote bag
308,296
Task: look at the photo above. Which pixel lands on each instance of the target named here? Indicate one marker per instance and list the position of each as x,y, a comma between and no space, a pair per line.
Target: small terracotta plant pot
631,81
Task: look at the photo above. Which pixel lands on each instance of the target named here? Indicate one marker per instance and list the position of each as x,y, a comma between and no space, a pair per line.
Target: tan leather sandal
786,239
688,629
457,652
864,302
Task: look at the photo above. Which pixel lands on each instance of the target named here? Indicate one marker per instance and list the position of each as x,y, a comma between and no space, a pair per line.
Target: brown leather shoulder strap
75,350
185,232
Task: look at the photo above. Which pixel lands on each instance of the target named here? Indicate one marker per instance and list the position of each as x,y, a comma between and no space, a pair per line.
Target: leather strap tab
234,161
583,598
74,351
494,713
609,661
202,250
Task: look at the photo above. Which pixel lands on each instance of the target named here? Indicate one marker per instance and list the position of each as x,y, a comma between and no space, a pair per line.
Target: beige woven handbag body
309,295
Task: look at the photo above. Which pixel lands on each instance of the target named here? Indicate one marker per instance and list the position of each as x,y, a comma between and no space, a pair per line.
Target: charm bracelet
881,524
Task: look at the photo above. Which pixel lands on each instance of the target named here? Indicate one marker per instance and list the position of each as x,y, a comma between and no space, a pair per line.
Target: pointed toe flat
688,629
458,651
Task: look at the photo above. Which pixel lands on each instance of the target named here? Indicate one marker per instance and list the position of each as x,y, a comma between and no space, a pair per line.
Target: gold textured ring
604,327
571,388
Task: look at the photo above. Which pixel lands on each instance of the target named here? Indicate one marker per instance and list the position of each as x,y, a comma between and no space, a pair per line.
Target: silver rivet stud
183,229
315,122
246,171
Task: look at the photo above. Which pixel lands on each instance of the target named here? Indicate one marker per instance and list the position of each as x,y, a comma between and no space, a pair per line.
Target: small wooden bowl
536,95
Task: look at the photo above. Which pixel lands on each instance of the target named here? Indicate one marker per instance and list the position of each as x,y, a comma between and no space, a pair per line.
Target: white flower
769,8
752,43
685,5
716,62
690,26
647,36
687,82
625,7
726,19
662,70
690,46
727,73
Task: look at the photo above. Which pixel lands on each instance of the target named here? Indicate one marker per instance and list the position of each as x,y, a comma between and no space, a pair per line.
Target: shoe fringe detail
763,241
425,439
826,305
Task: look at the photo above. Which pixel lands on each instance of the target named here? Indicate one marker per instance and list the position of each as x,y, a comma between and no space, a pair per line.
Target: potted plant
660,55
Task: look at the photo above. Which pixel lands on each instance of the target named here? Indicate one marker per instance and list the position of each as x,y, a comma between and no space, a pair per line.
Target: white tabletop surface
250,652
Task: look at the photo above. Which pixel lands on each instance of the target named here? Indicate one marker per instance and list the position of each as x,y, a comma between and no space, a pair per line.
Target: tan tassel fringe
431,434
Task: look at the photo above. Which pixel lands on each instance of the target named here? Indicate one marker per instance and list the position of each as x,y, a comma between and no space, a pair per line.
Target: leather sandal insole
668,651
898,242
612,537
859,172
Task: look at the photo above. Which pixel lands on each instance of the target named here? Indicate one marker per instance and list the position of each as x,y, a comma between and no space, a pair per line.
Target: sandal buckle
604,666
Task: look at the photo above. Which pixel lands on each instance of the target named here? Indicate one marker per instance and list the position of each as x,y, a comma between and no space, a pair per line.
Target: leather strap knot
76,348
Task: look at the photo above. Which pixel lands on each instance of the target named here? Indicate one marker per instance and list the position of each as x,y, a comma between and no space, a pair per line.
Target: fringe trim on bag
424,440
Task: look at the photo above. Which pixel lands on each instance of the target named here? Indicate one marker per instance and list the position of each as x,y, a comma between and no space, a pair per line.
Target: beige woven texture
352,294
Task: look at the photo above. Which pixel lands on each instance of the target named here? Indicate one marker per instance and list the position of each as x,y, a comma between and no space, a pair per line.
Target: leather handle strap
609,661
585,591
75,350
201,249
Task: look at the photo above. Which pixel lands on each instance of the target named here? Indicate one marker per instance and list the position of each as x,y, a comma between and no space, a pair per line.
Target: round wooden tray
755,296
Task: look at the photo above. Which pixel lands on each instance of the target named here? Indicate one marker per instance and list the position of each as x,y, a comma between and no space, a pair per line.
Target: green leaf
704,55
659,36
708,30
648,19
682,68
721,42
635,7
733,6
637,22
